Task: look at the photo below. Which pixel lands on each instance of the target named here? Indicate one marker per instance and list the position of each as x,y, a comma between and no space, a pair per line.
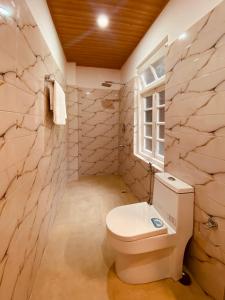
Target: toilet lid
135,221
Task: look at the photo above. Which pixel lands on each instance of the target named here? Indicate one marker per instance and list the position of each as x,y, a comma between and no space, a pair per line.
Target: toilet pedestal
145,267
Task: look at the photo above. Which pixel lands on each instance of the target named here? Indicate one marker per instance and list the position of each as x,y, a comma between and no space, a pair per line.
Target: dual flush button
157,222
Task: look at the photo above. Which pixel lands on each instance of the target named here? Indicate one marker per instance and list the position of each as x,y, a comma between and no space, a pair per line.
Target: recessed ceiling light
4,12
103,21
182,36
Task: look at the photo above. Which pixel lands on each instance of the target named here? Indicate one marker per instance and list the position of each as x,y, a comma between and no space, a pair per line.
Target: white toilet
146,252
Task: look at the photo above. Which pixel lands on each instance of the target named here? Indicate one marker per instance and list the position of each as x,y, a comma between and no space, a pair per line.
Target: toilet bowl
150,240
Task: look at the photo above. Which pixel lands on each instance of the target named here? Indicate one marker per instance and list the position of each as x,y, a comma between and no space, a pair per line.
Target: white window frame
151,156
153,89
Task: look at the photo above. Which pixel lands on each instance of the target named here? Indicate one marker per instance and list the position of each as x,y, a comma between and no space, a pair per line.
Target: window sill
157,164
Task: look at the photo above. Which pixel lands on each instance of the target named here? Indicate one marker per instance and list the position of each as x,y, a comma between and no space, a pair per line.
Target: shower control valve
211,223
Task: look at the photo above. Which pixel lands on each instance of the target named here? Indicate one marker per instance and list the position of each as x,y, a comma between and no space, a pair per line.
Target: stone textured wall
135,172
73,133
98,131
32,152
195,139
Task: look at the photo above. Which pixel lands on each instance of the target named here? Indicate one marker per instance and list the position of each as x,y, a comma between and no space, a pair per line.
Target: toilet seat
133,222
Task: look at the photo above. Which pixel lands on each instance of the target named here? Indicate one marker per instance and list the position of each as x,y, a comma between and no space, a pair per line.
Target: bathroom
112,150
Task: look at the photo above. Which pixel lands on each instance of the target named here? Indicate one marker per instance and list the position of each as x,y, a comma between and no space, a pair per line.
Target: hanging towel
59,105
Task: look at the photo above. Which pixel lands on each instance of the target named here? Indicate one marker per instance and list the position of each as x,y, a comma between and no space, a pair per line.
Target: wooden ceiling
86,44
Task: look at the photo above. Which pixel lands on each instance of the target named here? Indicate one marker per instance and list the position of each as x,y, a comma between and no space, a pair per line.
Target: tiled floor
78,261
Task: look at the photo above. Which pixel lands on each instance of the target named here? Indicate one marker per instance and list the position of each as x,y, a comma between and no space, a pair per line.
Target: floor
78,262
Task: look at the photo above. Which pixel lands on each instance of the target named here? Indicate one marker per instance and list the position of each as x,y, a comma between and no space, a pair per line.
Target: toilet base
143,268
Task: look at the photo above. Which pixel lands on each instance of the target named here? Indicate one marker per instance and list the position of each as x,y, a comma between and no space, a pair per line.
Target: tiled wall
195,139
98,131
73,132
134,171
32,152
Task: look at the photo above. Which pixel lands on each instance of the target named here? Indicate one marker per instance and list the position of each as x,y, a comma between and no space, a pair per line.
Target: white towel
59,105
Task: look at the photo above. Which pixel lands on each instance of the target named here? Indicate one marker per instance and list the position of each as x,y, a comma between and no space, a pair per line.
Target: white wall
92,78
42,16
177,16
71,76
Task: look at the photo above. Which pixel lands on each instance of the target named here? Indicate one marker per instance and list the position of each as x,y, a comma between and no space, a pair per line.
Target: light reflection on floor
78,262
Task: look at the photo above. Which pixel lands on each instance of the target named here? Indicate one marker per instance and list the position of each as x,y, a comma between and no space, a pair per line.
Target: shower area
100,135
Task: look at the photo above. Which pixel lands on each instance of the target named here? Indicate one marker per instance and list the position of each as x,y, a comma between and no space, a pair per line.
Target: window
152,124
151,109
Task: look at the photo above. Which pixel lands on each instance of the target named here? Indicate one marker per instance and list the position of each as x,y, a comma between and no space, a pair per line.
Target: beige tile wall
32,152
73,133
98,131
134,171
195,139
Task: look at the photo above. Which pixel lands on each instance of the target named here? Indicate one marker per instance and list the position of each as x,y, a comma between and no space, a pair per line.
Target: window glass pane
148,76
161,131
142,82
161,98
148,144
148,116
148,102
148,130
160,148
161,115
159,67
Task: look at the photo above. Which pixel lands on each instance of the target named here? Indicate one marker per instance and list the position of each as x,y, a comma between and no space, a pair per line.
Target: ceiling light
103,21
4,12
182,36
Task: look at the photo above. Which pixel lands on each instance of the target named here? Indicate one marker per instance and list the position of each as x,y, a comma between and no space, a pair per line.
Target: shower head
107,84
110,83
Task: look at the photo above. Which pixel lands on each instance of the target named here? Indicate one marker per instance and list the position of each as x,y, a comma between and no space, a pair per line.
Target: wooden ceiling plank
84,43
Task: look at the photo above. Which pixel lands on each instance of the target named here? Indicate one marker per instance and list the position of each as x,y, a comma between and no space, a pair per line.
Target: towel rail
49,79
